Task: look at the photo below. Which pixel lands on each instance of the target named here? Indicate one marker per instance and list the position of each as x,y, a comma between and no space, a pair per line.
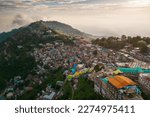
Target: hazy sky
99,17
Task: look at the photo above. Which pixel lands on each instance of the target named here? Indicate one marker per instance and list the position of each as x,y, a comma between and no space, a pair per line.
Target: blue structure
134,70
75,66
73,71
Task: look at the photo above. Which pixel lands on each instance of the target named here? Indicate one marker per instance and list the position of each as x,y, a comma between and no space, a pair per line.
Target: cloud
29,4
106,17
139,3
71,1
13,4
21,19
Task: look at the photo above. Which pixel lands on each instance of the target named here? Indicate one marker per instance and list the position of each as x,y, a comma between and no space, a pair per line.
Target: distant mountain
41,26
63,28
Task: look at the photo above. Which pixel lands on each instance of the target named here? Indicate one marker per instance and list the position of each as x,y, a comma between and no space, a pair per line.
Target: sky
97,17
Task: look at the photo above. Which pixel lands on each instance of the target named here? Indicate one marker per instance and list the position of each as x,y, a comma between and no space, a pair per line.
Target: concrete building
49,97
117,88
144,81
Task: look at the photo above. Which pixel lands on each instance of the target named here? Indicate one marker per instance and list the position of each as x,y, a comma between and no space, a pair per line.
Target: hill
16,49
41,26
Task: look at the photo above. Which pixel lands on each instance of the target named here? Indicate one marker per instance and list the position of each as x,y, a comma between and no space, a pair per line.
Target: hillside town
117,75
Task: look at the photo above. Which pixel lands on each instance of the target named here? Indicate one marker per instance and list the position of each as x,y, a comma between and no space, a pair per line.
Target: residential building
117,87
144,81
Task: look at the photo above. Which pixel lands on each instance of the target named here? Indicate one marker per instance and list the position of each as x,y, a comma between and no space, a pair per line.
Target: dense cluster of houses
136,54
86,56
77,60
144,81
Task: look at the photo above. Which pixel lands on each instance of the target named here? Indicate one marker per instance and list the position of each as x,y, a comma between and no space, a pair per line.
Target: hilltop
43,26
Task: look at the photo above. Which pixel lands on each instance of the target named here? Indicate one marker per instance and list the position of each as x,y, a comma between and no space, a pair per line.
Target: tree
144,49
123,37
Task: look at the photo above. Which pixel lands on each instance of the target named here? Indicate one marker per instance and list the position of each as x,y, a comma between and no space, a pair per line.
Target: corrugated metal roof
121,81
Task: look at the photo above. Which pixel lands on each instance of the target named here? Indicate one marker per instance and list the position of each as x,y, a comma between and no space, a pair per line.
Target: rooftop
121,81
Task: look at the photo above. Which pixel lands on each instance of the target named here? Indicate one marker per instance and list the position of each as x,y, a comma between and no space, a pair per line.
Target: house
9,95
60,83
144,81
49,97
117,87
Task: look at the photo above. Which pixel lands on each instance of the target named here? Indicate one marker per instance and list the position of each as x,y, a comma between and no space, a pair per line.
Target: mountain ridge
40,26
